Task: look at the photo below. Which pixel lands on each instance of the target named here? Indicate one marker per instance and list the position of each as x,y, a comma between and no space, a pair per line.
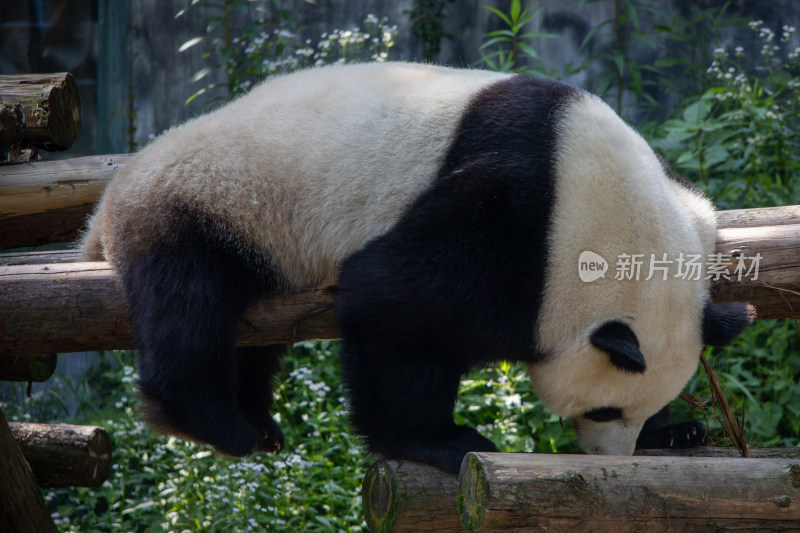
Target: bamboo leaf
499,14
190,43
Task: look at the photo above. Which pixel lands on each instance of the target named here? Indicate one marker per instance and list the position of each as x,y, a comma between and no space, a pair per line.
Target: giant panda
451,207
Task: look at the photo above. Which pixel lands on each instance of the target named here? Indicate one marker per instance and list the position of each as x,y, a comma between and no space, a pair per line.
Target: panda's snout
607,438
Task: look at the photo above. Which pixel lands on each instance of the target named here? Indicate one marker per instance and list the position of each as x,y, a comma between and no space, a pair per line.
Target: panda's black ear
618,340
722,322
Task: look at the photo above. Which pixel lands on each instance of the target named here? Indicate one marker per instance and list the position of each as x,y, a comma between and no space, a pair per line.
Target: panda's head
617,346
613,387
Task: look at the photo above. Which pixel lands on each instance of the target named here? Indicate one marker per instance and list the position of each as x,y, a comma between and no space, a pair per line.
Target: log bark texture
721,451
576,493
64,455
51,105
775,292
28,367
404,496
40,258
22,509
50,201
80,307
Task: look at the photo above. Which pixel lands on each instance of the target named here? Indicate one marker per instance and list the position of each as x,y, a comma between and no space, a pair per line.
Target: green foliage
160,483
758,374
427,18
500,403
272,44
682,71
738,139
511,52
618,71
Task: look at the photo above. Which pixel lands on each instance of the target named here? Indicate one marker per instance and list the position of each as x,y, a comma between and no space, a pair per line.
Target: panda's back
306,168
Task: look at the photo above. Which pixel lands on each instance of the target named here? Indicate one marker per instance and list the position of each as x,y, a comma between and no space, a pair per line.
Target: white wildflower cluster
343,45
129,375
319,388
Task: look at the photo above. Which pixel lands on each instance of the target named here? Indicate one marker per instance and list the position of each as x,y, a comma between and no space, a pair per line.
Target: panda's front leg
403,406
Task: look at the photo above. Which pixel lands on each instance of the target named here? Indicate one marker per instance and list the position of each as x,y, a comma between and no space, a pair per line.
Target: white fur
613,198
307,167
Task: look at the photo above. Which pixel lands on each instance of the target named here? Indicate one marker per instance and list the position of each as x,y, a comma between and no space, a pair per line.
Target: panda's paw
445,451
687,434
272,439
676,436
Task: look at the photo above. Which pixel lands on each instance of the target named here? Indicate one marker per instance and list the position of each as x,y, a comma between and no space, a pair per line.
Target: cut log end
473,498
379,497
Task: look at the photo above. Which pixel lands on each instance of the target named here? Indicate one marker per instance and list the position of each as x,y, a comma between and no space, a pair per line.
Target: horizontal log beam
554,492
50,201
64,455
404,496
77,307
67,307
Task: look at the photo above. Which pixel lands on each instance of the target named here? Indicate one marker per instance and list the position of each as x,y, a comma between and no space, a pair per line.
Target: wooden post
28,367
22,509
64,455
51,105
576,493
404,496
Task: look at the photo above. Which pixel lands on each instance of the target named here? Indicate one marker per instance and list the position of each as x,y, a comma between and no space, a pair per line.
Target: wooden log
47,202
80,307
12,131
764,216
28,367
51,104
22,509
49,308
40,258
775,292
549,492
721,451
404,496
64,455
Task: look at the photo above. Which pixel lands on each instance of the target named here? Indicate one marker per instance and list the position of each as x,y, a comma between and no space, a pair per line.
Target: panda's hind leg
257,367
187,294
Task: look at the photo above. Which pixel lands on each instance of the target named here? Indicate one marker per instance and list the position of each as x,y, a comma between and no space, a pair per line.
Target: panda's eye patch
603,414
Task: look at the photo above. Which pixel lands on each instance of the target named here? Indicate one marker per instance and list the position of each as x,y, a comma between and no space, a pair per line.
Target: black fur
619,341
659,432
187,294
604,414
722,322
457,283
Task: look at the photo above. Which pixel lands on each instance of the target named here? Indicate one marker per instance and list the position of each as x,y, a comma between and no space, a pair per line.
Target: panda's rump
304,170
